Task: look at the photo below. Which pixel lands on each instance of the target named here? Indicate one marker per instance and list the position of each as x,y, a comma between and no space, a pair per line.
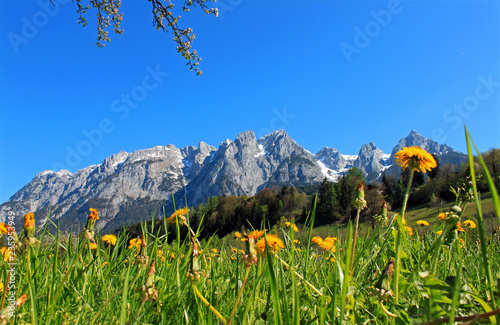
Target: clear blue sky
331,73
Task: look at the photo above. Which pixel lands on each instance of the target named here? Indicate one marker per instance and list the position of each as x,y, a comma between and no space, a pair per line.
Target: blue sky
331,73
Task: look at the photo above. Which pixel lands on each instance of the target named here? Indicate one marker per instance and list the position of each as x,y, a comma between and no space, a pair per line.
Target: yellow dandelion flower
328,245
469,224
256,234
422,223
237,235
416,158
4,228
1,286
160,255
459,227
332,260
442,216
92,246
214,250
294,227
317,240
109,239
93,214
272,240
29,220
296,241
409,230
234,250
439,232
134,243
178,214
404,221
8,254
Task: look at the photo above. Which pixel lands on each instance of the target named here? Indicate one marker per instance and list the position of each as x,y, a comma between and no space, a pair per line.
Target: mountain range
129,187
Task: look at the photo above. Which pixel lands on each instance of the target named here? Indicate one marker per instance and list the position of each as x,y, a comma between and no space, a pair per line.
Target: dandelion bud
250,257
88,231
194,272
29,225
383,209
359,202
360,191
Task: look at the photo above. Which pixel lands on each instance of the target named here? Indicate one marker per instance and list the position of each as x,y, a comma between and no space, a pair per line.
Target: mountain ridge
152,177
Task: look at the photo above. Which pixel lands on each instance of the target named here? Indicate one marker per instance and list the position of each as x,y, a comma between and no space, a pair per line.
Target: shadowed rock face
127,185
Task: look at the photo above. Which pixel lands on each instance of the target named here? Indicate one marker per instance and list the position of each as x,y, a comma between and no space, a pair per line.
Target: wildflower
272,240
214,250
359,202
149,291
234,250
3,228
178,215
88,231
93,214
237,235
134,243
92,246
7,312
194,272
29,229
462,242
404,221
328,245
409,230
439,232
459,227
296,241
383,285
160,255
469,224
8,254
109,239
1,286
292,225
442,216
257,233
29,224
143,257
317,240
422,223
382,215
416,158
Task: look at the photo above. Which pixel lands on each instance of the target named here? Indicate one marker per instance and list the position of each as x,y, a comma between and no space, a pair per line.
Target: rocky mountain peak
415,139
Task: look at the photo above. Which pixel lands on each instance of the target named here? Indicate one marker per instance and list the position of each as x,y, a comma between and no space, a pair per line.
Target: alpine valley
129,187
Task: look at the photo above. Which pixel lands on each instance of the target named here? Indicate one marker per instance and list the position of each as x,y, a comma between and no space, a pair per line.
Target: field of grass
395,274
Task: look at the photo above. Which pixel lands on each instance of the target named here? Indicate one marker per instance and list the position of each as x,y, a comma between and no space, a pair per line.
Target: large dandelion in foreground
415,158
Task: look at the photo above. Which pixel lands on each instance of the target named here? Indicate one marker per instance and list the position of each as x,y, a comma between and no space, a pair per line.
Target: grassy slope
424,212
